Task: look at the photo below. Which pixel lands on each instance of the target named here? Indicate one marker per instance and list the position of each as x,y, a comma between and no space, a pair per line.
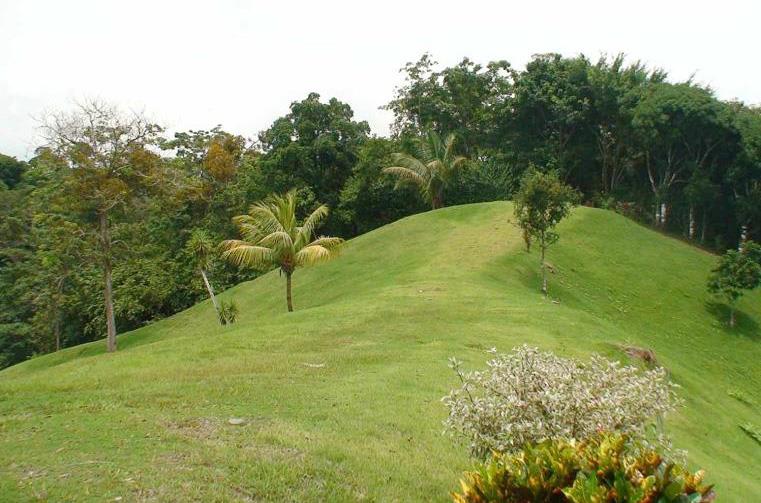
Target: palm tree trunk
57,332
108,291
544,269
437,202
211,292
288,291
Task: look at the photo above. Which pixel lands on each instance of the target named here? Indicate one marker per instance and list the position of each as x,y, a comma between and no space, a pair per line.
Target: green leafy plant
605,468
528,395
273,238
736,272
201,247
432,168
228,312
542,201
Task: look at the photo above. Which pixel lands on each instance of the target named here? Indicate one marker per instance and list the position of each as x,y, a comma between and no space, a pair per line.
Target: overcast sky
195,64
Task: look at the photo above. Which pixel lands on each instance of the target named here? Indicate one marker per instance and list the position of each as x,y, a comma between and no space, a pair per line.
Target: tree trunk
743,237
732,316
437,201
703,228
57,332
108,293
544,269
664,214
691,231
527,240
288,291
211,292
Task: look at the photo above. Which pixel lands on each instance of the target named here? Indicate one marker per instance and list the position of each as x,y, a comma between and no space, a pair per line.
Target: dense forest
109,200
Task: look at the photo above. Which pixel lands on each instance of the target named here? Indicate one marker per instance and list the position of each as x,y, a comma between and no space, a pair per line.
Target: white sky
193,64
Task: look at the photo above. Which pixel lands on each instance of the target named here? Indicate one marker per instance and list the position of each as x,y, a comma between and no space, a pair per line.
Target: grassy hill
342,397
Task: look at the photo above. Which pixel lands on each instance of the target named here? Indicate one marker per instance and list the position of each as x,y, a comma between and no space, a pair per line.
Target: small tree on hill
541,202
202,247
431,168
272,238
736,272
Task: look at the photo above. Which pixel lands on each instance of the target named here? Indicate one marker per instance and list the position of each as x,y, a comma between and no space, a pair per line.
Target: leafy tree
540,204
736,272
109,164
744,176
616,90
551,112
431,168
463,99
368,199
273,238
313,148
681,128
11,171
202,247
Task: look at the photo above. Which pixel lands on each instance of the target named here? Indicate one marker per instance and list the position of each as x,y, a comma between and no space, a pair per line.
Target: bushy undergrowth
228,312
605,468
528,396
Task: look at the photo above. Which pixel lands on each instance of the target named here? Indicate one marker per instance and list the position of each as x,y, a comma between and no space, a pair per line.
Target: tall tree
681,128
744,177
272,237
550,115
202,247
313,149
540,204
10,171
109,162
431,168
464,99
616,89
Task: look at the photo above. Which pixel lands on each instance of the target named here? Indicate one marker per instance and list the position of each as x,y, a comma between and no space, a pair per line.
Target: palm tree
431,168
201,246
272,238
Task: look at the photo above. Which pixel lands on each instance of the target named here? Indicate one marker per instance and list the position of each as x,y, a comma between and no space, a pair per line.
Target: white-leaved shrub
527,396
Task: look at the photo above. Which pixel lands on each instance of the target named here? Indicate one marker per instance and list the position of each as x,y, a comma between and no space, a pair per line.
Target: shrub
528,396
228,312
604,468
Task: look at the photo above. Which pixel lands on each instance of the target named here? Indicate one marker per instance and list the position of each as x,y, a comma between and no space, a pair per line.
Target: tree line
109,224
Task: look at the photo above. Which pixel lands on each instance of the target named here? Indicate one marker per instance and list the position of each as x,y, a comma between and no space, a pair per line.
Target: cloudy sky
195,64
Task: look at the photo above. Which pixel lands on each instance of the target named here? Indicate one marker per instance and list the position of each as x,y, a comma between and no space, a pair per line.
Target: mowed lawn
341,399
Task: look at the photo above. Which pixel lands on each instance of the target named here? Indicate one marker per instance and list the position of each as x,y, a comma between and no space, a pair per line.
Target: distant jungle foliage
122,200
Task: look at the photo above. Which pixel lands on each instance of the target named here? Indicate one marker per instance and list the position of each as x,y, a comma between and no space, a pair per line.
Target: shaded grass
342,397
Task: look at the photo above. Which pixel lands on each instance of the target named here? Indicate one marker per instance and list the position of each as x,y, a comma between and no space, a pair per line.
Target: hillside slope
342,397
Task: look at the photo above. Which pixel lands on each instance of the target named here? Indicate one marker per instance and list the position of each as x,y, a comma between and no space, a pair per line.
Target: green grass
342,397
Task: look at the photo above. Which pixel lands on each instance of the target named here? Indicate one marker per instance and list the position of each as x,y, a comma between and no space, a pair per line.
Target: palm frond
449,146
264,216
306,231
416,164
277,239
313,254
329,242
242,253
406,175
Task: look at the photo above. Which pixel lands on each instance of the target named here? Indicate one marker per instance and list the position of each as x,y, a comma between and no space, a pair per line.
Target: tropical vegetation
273,238
605,468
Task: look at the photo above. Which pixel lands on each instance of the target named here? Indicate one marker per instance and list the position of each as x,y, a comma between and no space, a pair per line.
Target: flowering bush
528,396
604,468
